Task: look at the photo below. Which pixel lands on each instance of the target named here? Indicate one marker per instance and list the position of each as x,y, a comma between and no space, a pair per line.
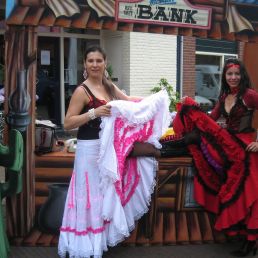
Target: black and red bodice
90,130
239,119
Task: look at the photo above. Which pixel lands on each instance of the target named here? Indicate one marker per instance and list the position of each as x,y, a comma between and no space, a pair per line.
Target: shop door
48,80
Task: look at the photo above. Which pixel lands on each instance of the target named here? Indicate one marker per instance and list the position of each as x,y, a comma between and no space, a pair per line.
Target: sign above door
214,19
164,12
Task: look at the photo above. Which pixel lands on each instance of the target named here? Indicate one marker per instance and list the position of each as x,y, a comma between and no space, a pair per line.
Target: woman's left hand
253,146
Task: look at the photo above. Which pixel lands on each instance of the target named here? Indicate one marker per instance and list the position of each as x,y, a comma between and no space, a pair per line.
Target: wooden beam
123,26
63,22
18,15
225,33
81,20
200,33
210,2
170,30
110,24
187,32
34,15
215,32
94,23
47,19
20,46
140,27
242,37
155,29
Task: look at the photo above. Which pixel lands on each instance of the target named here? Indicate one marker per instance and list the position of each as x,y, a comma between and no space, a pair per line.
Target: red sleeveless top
90,130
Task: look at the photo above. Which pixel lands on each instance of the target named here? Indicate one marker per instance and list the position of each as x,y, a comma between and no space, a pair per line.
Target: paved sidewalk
177,251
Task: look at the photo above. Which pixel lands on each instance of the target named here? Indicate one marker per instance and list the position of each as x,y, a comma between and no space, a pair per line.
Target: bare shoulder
80,92
79,89
80,95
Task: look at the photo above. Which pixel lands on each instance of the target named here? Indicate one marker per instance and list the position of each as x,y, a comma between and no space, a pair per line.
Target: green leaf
173,96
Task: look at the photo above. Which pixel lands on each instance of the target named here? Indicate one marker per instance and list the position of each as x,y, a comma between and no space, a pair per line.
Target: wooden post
251,63
32,2
20,53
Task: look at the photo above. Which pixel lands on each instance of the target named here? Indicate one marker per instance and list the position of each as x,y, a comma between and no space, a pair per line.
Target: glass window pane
74,49
48,80
208,72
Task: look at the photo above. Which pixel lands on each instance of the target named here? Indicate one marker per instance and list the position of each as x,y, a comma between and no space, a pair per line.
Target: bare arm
121,95
79,100
73,119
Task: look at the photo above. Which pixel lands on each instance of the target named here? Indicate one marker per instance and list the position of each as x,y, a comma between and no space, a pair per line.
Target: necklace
234,90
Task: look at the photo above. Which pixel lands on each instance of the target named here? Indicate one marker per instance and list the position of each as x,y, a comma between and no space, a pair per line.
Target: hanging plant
173,95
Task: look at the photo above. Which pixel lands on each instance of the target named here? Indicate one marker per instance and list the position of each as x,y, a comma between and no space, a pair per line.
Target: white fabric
89,206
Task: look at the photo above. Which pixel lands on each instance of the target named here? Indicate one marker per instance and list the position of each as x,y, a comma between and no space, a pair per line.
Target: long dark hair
109,87
245,82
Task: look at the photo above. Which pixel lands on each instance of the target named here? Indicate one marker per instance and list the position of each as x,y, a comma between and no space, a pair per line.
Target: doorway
48,80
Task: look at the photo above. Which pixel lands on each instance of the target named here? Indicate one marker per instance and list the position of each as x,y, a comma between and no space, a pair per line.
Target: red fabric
251,98
234,200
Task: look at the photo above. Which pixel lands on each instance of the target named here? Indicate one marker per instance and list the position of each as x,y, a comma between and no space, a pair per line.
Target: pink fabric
85,232
71,196
87,190
127,167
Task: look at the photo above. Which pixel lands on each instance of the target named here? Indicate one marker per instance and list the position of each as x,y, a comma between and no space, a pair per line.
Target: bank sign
164,12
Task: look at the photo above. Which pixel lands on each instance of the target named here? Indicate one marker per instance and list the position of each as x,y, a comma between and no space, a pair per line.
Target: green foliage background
173,96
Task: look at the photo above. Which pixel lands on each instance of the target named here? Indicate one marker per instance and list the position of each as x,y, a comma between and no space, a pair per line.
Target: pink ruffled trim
127,167
88,190
84,232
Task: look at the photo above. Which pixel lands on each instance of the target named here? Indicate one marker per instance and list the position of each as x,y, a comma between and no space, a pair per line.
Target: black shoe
247,248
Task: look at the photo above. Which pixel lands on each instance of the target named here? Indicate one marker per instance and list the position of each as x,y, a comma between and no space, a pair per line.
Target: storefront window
59,71
74,49
208,76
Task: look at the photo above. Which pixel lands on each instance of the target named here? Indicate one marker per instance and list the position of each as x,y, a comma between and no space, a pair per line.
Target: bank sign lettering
164,12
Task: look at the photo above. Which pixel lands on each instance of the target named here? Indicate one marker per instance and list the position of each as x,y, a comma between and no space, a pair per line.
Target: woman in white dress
103,201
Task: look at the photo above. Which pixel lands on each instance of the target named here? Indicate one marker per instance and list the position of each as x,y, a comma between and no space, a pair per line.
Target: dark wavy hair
245,82
105,80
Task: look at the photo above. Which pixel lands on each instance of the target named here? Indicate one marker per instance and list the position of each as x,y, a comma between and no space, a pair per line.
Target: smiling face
233,76
95,64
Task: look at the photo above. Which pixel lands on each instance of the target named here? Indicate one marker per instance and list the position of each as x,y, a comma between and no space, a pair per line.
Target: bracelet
92,114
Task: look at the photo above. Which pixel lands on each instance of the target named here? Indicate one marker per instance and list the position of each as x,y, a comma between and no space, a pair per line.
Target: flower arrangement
173,96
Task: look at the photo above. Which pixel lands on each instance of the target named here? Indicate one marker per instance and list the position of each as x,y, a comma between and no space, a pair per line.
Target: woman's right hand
104,110
253,146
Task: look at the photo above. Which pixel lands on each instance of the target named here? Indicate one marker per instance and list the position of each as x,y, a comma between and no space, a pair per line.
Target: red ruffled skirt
226,178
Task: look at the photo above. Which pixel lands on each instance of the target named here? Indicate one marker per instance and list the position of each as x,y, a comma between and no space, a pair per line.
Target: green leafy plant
110,70
173,96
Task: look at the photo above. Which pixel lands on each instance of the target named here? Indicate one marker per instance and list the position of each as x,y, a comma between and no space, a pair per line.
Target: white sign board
164,12
45,57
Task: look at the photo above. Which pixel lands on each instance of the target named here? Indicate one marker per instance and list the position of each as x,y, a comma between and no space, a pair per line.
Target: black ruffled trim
241,226
241,186
227,164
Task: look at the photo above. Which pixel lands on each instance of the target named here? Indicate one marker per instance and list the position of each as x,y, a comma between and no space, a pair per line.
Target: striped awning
229,21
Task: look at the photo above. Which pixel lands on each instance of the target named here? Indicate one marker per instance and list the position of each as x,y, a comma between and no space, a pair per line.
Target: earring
85,75
106,73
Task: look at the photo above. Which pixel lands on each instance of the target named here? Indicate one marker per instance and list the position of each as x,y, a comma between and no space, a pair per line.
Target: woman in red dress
226,158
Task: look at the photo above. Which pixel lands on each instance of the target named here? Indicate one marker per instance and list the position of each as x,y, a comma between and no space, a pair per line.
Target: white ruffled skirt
109,191
91,220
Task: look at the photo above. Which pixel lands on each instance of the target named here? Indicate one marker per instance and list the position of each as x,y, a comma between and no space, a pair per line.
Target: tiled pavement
177,251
